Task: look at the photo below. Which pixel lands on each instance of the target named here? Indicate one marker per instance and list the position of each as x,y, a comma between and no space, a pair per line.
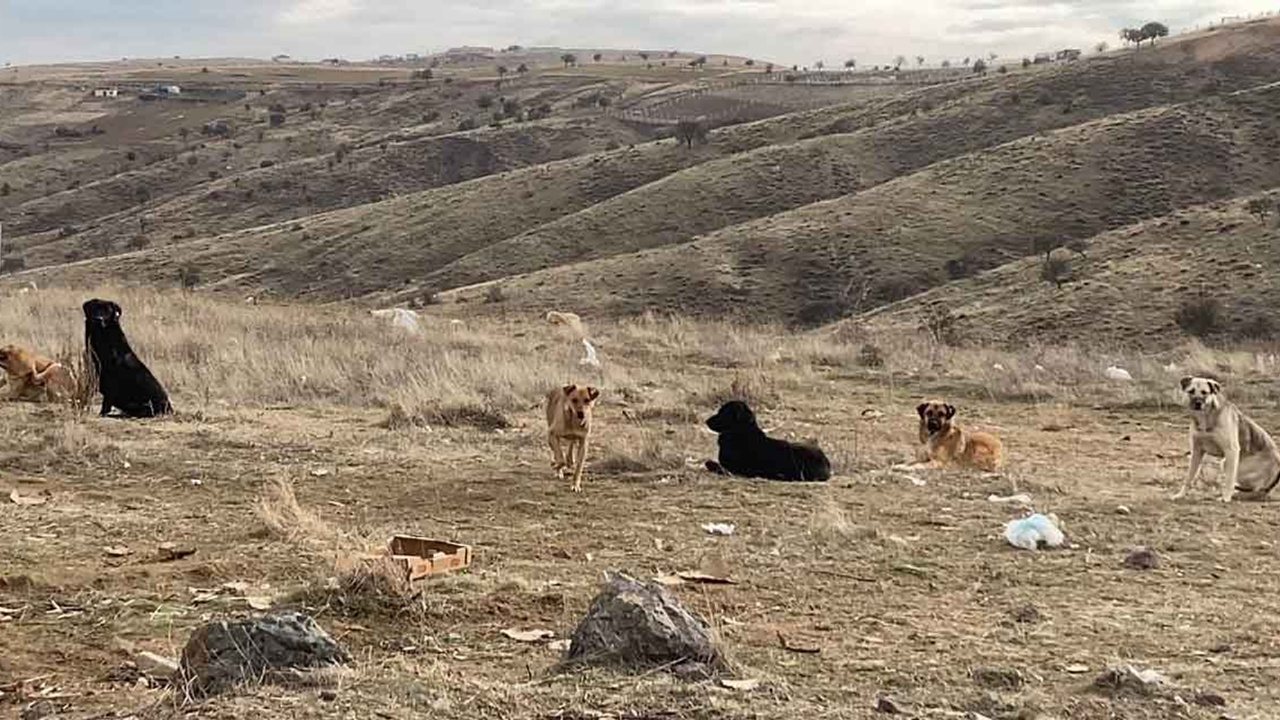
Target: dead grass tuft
286,519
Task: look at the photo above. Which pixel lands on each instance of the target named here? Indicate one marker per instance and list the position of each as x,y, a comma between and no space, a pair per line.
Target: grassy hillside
780,177
1210,271
983,209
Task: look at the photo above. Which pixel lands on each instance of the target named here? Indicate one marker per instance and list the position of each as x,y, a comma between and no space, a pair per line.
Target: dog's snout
582,415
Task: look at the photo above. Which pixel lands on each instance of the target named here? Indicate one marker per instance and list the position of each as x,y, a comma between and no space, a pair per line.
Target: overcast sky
790,31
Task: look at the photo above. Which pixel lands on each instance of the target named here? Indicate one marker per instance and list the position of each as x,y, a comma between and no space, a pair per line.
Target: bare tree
899,61
569,59
690,131
1102,46
850,63
919,61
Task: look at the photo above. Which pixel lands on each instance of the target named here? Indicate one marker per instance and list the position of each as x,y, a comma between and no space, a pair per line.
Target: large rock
636,625
227,652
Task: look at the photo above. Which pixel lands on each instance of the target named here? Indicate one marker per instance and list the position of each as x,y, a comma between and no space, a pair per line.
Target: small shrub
1261,208
941,324
276,119
1200,316
495,294
1056,269
188,277
5,190
484,101
870,356
266,163
467,124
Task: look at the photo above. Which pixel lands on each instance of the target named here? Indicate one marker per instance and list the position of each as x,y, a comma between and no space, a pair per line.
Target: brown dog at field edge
32,377
569,422
946,444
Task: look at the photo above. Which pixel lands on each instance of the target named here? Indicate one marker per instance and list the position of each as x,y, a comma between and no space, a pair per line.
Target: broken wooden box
416,557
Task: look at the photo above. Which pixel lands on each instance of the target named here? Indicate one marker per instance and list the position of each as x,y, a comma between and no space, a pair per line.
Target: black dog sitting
745,450
124,381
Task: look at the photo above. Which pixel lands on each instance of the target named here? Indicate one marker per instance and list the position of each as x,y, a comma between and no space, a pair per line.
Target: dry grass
906,588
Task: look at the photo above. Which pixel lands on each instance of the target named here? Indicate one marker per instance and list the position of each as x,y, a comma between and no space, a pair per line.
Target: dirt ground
902,589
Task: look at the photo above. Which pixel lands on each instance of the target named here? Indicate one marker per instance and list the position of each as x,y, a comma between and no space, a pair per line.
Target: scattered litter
320,472
1077,669
1143,558
998,366
1029,532
172,551
155,665
116,550
399,317
1118,679
560,645
196,482
744,685
590,358
529,636
1020,499
259,602
793,647
1117,373
1039,368
694,576
871,414
719,528
1123,510
27,500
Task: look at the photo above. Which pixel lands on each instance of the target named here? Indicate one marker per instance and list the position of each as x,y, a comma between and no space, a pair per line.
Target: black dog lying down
745,450
124,381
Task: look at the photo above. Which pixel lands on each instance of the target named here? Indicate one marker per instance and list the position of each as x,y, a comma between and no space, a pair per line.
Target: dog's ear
921,408
568,389
115,310
951,411
593,393
1185,382
1214,387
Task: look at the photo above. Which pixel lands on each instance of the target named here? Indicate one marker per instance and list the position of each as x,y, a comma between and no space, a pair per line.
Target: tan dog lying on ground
1251,462
569,422
34,378
945,444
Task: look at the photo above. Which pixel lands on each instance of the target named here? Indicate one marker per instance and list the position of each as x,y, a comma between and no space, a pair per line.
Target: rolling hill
806,218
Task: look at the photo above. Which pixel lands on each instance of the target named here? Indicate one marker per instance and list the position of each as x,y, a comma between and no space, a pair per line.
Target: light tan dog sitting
1250,458
33,378
945,444
569,423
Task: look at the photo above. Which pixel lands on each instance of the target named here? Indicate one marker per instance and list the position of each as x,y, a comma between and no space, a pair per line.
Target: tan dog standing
945,444
1251,462
569,422
33,378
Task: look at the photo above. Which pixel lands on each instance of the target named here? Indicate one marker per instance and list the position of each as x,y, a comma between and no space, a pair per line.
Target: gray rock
227,652
637,625
1143,558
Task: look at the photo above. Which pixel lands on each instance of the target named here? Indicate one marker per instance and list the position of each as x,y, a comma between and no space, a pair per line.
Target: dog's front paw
1178,495
1225,498
577,487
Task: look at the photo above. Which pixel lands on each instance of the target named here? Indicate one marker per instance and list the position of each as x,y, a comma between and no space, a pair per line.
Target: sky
787,31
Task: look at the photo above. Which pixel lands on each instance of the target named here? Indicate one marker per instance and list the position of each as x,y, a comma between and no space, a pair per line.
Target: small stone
998,678
1210,699
328,695
1027,614
1123,509
889,706
37,710
1143,558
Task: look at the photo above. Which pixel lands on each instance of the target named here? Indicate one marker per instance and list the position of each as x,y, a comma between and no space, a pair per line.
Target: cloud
787,31
311,12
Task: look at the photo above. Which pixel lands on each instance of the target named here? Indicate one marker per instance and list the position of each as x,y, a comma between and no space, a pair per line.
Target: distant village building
169,90
281,58
1042,58
106,92
1068,55
412,57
